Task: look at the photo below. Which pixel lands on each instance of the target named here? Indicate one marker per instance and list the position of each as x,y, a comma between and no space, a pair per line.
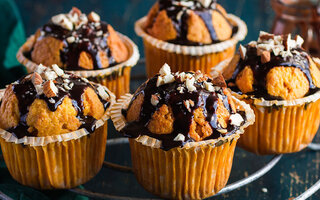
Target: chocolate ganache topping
269,52
185,94
85,39
179,12
52,85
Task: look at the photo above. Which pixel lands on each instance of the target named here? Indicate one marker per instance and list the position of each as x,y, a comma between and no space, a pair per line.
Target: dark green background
291,176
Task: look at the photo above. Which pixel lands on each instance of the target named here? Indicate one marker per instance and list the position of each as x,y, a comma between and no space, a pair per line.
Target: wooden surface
289,178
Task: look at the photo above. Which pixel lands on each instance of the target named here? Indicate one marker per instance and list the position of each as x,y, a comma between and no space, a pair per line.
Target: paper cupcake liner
187,58
116,78
57,165
56,162
194,171
282,126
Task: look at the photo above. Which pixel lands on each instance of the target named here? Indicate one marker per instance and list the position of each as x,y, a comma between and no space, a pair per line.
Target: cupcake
188,35
281,82
182,129
84,45
53,128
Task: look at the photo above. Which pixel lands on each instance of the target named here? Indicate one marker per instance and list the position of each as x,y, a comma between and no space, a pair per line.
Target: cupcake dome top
50,102
273,68
177,108
76,41
192,22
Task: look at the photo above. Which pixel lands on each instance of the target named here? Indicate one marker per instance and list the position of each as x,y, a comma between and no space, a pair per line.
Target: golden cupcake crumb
221,26
287,82
9,110
163,28
197,30
245,80
199,128
162,121
47,51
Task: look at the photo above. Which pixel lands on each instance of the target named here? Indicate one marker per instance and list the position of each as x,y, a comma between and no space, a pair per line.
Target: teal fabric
12,37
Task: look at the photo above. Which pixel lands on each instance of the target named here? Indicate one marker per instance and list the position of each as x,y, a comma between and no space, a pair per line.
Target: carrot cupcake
188,35
182,129
281,83
53,128
85,46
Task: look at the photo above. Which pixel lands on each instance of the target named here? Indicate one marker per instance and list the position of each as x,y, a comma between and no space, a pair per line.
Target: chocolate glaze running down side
26,94
181,24
170,96
86,39
260,70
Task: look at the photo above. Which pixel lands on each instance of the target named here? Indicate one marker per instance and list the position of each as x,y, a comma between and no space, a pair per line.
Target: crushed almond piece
93,17
265,57
36,79
49,89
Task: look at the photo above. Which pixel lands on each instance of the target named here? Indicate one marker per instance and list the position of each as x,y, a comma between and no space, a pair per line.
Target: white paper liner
295,102
130,62
119,122
194,50
43,141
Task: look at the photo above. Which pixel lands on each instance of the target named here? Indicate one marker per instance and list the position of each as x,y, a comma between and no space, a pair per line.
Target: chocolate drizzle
181,24
87,39
299,59
26,94
170,96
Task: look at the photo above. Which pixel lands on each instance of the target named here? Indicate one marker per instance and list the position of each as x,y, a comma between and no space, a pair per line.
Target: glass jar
299,17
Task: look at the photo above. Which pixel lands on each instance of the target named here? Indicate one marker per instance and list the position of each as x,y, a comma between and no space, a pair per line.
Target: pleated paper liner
195,171
282,126
56,162
116,78
187,58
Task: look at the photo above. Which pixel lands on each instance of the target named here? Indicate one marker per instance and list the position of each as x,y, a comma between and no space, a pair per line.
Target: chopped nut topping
102,93
236,119
188,104
183,3
36,79
219,81
99,33
75,11
265,57
71,39
62,21
165,76
180,89
190,84
299,40
49,89
205,3
243,51
181,76
265,36
154,99
93,17
40,69
165,70
66,86
279,45
208,86
57,69
49,75
223,131
179,138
